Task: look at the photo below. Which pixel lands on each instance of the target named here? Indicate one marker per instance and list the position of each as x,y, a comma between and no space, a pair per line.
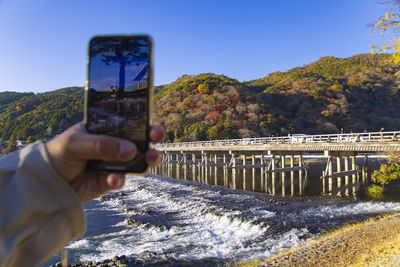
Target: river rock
132,222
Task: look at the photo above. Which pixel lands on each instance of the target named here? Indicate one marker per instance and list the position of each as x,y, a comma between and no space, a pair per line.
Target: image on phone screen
118,85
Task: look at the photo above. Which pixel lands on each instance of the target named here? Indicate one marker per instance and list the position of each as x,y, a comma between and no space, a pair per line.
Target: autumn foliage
357,93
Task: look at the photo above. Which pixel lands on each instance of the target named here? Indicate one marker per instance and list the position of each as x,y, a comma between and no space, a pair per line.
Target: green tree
30,139
388,171
177,135
212,132
12,144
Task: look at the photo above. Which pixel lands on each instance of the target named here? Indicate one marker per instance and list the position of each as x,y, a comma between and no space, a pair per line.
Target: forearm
39,212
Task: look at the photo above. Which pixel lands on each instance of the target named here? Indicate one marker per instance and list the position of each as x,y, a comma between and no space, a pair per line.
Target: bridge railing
295,139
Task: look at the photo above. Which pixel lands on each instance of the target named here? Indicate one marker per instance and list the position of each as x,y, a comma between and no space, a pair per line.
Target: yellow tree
389,26
388,171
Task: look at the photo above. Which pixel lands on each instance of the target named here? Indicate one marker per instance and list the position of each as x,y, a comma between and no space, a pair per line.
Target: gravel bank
372,243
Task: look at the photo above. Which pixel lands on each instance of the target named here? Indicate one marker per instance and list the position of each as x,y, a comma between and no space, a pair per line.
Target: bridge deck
353,147
354,142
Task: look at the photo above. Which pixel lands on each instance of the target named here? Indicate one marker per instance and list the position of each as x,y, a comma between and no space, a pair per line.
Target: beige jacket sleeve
39,211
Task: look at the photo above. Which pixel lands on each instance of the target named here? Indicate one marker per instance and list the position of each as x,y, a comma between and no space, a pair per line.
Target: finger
87,146
157,133
115,181
153,157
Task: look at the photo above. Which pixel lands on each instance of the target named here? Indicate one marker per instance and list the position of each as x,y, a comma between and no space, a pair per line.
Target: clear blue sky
43,43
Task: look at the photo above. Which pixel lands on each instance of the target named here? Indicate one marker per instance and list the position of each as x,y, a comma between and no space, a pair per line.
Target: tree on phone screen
122,51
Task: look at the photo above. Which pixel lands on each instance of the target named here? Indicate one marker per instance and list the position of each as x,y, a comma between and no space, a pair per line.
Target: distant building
21,143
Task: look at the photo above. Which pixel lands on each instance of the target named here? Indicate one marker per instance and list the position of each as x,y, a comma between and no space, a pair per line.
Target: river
156,219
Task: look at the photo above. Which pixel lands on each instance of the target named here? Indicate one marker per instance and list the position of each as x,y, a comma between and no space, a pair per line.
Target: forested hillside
39,115
354,94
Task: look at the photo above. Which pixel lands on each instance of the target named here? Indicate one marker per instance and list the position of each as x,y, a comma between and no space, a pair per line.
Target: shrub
375,191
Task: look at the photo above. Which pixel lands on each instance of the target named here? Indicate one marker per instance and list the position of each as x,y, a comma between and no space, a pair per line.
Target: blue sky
43,43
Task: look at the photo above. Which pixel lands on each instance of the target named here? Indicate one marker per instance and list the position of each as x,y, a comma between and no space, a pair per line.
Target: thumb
87,146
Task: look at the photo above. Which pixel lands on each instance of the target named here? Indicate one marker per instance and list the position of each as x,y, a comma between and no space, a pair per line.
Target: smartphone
118,93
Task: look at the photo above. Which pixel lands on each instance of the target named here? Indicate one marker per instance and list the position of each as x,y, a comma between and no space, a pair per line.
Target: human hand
70,152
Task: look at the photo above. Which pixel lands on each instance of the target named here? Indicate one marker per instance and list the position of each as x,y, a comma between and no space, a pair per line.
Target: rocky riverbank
121,261
125,261
375,242
160,221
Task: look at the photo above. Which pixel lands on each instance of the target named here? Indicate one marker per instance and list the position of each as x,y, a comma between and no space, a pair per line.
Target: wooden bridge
283,156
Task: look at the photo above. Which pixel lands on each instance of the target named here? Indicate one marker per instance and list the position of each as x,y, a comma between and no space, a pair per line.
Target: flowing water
157,219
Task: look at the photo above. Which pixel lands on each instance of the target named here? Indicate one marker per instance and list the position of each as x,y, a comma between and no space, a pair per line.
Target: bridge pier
301,168
244,171
346,178
177,167
184,165
276,160
292,175
233,162
225,170
253,174
282,171
365,170
215,169
339,170
283,174
331,175
273,173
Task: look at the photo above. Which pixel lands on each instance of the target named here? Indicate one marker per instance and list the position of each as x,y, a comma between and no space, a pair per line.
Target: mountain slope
39,115
354,94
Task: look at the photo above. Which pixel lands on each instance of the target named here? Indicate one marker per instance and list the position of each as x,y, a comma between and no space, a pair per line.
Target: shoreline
374,242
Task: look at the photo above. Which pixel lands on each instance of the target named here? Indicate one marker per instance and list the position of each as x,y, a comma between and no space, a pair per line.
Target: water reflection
306,180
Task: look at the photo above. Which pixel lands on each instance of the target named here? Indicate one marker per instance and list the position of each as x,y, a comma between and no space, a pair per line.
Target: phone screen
119,80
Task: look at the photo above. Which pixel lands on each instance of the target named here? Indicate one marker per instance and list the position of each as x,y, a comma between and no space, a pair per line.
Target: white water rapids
183,221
